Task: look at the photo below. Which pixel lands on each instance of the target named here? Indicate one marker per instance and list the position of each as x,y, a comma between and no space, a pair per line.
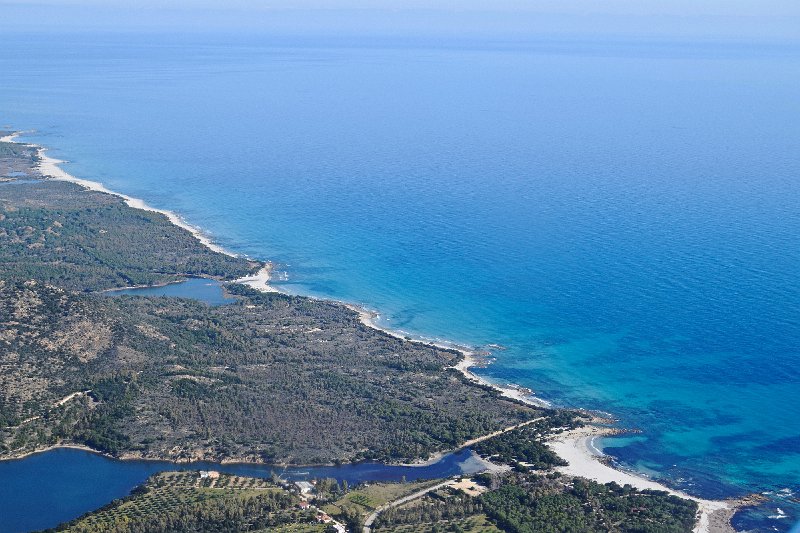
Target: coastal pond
45,489
24,181
206,290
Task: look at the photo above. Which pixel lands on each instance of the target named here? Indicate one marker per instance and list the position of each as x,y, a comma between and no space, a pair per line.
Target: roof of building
304,486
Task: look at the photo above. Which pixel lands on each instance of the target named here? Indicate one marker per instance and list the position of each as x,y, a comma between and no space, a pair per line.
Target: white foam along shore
575,447
49,166
468,360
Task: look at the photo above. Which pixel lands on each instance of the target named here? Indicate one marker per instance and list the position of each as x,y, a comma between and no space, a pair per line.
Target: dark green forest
521,502
58,233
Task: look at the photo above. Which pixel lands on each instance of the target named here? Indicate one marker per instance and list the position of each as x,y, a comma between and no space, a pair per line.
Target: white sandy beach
49,166
514,393
260,280
574,446
10,138
577,448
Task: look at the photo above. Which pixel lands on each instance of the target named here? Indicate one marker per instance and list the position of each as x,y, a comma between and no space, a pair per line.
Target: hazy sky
727,19
680,7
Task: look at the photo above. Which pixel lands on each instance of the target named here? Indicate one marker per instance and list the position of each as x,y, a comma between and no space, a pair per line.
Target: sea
614,221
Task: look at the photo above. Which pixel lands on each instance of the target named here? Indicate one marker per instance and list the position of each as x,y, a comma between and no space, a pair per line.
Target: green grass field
367,499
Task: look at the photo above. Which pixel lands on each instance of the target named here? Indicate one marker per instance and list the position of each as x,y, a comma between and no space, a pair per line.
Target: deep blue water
46,489
622,217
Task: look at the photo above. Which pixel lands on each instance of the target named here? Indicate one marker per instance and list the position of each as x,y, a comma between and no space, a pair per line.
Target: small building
303,505
305,487
209,474
323,518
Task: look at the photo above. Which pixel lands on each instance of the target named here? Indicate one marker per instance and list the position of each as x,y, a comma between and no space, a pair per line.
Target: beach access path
400,501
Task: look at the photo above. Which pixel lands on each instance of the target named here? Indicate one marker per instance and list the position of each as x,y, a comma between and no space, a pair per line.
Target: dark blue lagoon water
206,290
46,489
621,216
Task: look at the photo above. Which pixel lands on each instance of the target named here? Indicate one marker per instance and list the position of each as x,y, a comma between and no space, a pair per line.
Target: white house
305,487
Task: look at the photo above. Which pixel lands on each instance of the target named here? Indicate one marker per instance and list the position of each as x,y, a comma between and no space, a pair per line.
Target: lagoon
45,489
206,290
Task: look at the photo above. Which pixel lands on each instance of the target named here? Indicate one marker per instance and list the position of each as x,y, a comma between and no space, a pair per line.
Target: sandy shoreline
260,280
49,167
575,446
515,393
578,449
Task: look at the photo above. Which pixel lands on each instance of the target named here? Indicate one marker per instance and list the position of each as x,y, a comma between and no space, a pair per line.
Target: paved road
400,501
496,433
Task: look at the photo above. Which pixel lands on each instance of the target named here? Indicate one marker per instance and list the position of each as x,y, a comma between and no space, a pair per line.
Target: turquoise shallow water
621,217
